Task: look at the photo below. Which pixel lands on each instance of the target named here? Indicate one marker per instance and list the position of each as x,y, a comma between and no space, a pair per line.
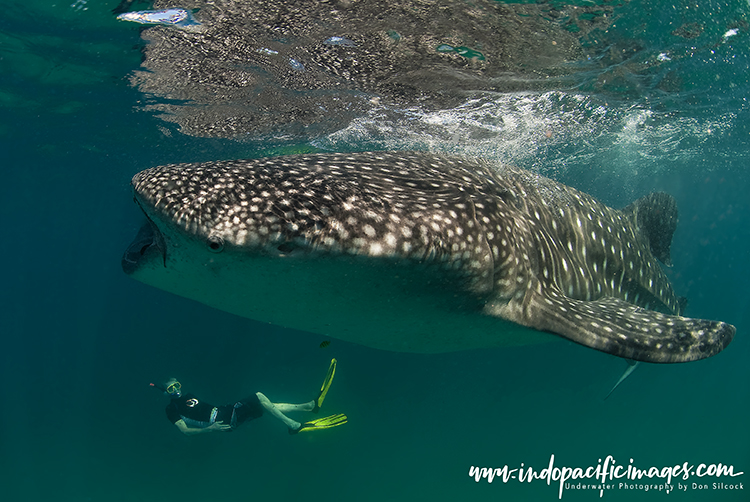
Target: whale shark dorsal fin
656,218
632,365
617,327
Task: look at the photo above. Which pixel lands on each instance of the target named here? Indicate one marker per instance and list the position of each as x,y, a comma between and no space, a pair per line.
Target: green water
81,341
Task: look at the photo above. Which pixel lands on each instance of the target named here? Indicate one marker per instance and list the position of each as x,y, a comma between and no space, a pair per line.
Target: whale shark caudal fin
656,218
619,328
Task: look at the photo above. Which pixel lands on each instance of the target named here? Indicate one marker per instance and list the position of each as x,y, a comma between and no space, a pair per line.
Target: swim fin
326,385
321,423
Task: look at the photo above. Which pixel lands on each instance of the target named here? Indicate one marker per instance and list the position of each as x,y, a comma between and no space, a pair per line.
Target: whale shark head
374,251
416,252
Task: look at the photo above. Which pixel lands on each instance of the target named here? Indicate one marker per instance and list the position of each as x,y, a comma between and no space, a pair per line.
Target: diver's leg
315,404
286,407
278,409
274,410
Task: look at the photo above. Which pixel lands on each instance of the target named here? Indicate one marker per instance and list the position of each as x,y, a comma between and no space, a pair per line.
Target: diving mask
174,389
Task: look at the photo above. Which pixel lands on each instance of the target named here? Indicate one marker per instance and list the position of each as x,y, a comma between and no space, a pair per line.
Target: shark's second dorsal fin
656,217
681,304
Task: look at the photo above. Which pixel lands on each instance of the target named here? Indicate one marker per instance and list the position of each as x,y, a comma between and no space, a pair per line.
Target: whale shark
417,252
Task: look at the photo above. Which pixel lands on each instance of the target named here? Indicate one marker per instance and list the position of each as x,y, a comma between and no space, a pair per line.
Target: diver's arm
190,431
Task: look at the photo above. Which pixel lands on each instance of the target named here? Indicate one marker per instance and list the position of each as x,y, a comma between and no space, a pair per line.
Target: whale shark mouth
147,243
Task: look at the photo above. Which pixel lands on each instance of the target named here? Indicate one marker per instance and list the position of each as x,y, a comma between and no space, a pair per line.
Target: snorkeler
193,416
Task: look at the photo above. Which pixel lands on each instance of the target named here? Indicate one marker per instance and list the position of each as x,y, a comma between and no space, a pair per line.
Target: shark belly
402,307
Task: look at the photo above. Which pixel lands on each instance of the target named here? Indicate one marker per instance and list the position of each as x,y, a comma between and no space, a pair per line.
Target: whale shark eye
215,243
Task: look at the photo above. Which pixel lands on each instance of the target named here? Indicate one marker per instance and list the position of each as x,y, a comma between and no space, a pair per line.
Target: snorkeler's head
173,388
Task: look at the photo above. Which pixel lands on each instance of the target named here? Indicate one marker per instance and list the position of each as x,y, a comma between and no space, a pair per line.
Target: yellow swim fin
326,385
321,423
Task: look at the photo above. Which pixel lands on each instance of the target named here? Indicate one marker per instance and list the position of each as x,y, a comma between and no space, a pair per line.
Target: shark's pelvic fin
632,365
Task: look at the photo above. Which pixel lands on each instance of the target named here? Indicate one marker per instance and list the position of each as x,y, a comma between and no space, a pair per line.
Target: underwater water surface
658,102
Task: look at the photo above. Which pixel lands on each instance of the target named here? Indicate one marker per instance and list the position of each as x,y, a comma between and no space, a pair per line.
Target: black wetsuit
199,414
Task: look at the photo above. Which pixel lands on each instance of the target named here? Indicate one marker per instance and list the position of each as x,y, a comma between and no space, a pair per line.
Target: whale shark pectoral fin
619,328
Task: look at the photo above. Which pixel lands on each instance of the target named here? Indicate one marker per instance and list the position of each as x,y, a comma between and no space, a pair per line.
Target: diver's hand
219,426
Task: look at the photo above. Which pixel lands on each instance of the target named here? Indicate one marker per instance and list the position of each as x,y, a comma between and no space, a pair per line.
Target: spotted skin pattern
529,250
